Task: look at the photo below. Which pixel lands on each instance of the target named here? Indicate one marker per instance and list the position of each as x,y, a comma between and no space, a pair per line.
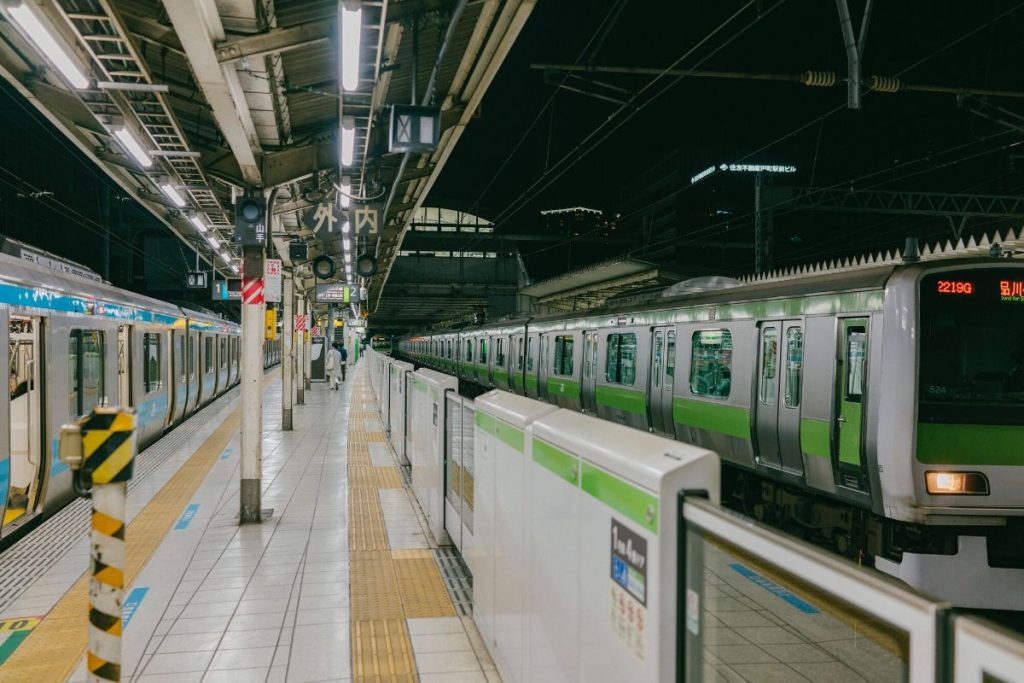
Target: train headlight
956,483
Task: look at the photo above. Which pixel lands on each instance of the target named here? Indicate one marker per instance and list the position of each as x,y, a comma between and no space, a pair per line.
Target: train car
877,410
74,342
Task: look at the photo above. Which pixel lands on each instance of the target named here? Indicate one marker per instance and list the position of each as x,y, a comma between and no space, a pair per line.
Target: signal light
250,221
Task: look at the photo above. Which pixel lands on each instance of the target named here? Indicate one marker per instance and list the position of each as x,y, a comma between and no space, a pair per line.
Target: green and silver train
879,410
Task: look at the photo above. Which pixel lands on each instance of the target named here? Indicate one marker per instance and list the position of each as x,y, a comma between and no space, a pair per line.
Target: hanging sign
366,219
272,282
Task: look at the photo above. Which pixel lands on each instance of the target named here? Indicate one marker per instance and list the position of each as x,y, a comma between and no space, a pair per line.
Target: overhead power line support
288,351
896,202
253,306
854,50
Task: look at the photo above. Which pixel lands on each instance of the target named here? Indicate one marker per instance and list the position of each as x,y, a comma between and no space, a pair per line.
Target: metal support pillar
252,374
764,238
300,355
307,351
287,352
854,50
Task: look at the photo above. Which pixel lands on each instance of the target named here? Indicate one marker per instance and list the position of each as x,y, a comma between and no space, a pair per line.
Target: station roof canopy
594,285
186,103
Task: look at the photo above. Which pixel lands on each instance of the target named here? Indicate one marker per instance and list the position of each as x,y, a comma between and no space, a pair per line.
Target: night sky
535,147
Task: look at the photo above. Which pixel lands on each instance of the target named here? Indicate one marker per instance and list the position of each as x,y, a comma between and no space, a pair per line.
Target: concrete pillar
287,352
307,352
252,399
300,353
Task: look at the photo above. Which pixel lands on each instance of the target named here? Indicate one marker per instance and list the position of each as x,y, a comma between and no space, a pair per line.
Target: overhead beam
232,117
275,41
897,202
152,32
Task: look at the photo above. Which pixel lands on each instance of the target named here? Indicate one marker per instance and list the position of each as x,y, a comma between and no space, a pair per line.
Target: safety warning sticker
629,587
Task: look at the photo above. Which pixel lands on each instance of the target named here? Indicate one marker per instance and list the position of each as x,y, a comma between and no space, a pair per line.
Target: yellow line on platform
386,587
55,646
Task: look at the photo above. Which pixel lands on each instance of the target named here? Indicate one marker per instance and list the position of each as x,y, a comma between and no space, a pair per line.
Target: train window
469,350
620,367
529,354
794,366
86,351
191,356
588,370
563,355
181,356
483,352
223,352
519,353
499,353
711,363
856,352
659,347
208,356
769,363
670,360
152,368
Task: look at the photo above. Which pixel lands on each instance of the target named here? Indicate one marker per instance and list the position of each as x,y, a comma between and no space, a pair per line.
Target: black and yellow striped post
105,442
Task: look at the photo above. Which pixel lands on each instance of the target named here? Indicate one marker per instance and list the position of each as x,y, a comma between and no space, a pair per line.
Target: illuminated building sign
742,168
955,287
1011,290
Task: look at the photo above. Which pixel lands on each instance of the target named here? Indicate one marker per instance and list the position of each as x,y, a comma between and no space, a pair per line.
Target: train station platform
339,582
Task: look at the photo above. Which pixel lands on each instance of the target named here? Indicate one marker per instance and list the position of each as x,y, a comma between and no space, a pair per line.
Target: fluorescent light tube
348,140
47,43
198,222
214,242
346,227
173,194
346,191
234,269
225,257
348,244
134,147
351,33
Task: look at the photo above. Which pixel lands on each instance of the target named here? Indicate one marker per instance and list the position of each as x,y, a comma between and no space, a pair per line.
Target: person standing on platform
335,367
344,361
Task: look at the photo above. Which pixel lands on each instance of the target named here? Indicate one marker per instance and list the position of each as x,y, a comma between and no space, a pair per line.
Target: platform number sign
195,279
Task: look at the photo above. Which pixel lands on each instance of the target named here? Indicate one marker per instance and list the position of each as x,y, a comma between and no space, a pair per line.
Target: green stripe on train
629,400
563,386
959,444
715,417
815,437
531,383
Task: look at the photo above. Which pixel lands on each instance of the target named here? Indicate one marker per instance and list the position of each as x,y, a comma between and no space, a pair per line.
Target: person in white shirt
334,367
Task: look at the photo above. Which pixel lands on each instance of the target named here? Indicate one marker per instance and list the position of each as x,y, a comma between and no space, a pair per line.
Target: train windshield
972,347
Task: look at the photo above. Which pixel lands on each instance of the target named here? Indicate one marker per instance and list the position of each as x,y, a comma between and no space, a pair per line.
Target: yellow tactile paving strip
57,644
387,587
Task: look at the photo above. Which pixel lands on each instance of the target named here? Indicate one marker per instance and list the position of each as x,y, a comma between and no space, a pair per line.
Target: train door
588,388
766,399
852,378
124,364
542,367
25,387
777,401
662,369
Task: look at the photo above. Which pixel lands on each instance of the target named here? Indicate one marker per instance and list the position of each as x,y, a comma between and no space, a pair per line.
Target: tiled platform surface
273,602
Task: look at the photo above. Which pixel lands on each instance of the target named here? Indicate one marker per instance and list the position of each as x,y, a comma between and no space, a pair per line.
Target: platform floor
340,583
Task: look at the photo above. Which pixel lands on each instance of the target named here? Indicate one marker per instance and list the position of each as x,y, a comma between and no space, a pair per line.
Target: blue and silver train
74,342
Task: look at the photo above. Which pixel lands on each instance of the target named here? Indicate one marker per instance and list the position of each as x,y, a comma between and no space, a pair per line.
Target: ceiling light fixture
39,33
351,32
214,242
348,244
234,269
346,192
225,257
198,222
348,140
346,227
172,194
134,147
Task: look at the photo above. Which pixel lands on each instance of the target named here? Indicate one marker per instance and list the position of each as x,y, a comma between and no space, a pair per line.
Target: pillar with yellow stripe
108,444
